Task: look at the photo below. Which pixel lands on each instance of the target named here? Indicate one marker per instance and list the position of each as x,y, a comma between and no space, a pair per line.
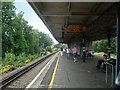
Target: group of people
74,51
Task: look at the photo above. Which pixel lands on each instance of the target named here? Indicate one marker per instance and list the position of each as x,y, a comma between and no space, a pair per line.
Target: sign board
77,29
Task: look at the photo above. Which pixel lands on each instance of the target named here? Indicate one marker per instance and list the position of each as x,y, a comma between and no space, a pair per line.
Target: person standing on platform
68,52
61,51
75,53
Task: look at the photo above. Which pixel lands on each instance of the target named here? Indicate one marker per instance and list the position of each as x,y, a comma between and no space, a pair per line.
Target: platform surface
78,74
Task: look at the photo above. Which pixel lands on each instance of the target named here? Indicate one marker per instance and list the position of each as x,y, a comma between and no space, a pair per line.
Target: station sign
76,29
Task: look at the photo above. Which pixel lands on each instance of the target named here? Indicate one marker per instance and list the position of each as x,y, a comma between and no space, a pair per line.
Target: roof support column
118,38
68,45
83,57
109,43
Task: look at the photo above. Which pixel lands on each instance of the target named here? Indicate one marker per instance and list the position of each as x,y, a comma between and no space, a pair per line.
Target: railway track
11,78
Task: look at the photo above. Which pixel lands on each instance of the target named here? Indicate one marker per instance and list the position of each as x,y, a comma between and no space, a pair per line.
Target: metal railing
112,74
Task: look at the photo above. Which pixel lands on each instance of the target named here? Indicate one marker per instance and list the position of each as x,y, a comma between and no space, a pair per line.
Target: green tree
26,33
8,15
34,46
49,48
18,36
20,44
102,46
60,45
45,38
113,45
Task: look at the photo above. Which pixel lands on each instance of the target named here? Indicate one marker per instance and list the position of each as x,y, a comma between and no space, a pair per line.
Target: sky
32,17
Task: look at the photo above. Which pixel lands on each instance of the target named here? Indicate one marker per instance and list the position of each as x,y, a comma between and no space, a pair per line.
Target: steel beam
72,14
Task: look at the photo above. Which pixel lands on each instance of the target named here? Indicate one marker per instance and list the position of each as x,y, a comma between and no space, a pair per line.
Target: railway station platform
78,74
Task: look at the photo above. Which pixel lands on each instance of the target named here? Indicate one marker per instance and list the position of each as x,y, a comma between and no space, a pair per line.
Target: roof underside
98,16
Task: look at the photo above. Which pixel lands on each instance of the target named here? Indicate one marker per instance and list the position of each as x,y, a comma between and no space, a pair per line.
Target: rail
11,78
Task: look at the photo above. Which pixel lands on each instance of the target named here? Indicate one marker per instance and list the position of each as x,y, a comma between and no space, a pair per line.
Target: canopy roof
98,17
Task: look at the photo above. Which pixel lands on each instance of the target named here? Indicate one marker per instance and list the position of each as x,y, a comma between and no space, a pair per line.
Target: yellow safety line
53,76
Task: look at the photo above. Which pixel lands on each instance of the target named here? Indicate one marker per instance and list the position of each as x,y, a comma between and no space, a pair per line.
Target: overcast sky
32,17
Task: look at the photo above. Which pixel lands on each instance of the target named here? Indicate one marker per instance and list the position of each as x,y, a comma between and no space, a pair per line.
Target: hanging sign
76,29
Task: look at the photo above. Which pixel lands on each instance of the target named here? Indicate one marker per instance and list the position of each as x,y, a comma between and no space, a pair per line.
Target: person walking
61,51
68,52
75,53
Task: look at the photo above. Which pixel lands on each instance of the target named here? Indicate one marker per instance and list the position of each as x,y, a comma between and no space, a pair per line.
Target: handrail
107,73
112,73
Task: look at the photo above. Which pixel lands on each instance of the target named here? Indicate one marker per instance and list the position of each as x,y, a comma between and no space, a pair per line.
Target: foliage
21,43
48,48
33,42
20,59
60,45
54,49
102,53
45,38
9,59
18,36
113,56
102,46
6,69
113,45
12,62
27,61
8,15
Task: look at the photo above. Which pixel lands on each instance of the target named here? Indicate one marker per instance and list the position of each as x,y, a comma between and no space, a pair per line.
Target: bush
99,53
49,49
11,62
113,56
21,59
36,56
48,52
9,59
54,49
27,61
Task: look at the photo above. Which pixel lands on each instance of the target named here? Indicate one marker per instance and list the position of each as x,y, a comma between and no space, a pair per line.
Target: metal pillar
109,43
118,38
68,45
62,35
83,57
